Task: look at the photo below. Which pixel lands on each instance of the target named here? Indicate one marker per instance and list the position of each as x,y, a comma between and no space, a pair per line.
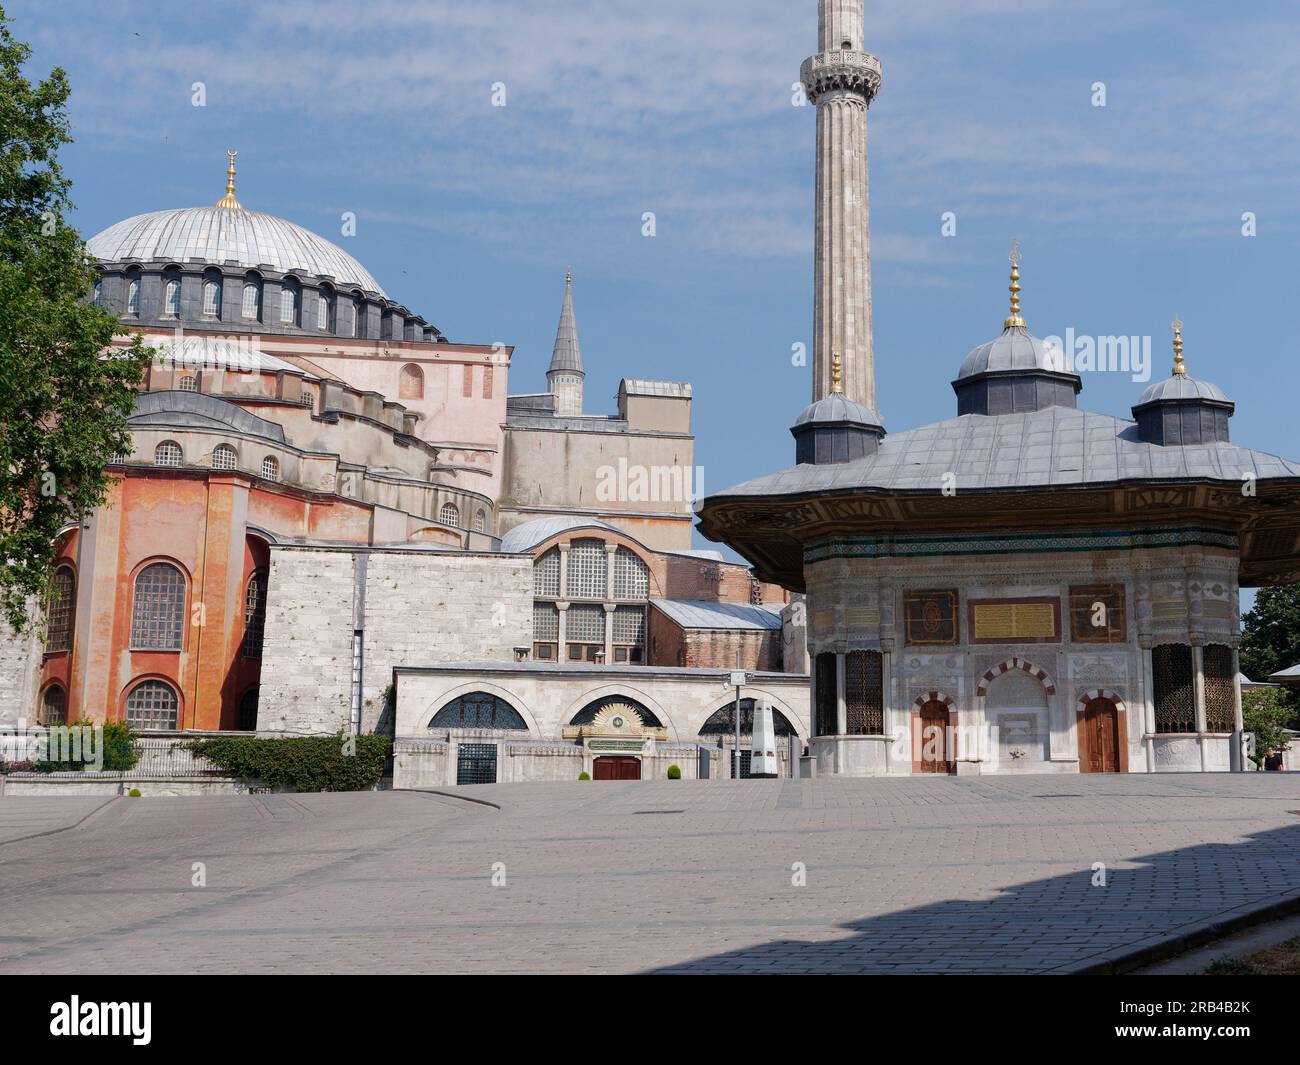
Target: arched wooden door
931,742
616,768
1099,737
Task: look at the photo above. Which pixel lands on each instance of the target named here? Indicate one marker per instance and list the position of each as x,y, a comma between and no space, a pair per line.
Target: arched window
290,301
631,577
546,574
151,706
224,457
588,713
248,710
1175,687
480,521
211,295
410,385
188,383
254,615
168,453
358,316
270,469
478,710
60,614
133,292
158,611
449,515
251,307
97,293
325,309
54,705
172,294
588,569
723,721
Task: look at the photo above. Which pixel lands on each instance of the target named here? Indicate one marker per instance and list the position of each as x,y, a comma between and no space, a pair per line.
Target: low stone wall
165,767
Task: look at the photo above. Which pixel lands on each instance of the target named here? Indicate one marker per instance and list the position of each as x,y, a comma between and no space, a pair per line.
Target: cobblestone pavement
912,875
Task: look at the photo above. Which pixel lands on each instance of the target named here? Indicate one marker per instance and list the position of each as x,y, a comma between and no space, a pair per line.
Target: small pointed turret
565,377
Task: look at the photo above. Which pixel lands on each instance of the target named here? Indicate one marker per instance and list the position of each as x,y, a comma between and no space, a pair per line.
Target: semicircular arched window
133,292
224,457
60,614
54,705
588,569
449,515
251,306
410,383
631,577
480,521
290,301
158,608
325,309
211,296
152,706
168,453
479,710
588,713
722,722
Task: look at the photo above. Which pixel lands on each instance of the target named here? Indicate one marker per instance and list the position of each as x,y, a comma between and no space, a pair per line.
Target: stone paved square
910,876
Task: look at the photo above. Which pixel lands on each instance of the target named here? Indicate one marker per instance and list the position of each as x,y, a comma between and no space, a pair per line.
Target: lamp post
738,679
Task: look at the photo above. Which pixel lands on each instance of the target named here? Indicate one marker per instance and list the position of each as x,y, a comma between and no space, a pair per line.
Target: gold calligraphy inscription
1014,621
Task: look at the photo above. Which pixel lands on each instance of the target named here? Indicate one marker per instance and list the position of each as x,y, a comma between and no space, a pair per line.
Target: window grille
151,706
254,615
58,626
449,515
722,722
158,610
629,625
1175,692
168,454
211,298
252,306
864,694
224,457
827,695
631,577
172,298
588,573
270,469
289,304
586,624
478,710
1220,689
187,384
546,622
54,706
480,521
546,573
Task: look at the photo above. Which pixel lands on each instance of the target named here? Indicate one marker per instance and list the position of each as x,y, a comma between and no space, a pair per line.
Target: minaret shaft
841,82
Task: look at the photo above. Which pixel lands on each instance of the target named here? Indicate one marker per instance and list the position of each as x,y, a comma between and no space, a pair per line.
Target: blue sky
469,213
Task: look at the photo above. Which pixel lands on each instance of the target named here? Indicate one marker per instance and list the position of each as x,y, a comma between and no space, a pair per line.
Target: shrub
584,775
134,793
674,773
302,763
119,751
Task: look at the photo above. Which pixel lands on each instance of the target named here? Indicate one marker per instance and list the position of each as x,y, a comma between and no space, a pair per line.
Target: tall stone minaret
565,377
842,80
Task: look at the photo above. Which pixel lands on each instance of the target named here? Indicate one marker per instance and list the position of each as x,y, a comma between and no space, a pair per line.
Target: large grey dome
1182,387
219,235
1015,349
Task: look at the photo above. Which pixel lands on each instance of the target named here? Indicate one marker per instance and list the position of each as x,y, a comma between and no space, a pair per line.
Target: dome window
188,383
133,295
449,515
168,453
211,298
358,318
290,299
172,294
270,469
251,309
325,311
224,458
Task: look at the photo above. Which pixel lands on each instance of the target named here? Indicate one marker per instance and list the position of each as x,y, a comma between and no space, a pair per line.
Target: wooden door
931,740
616,768
1099,737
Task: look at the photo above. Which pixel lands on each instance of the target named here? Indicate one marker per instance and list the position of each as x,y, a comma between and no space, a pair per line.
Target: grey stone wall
20,664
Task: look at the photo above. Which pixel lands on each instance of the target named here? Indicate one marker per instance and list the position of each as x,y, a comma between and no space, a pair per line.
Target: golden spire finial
568,276
1180,370
228,200
1014,320
837,383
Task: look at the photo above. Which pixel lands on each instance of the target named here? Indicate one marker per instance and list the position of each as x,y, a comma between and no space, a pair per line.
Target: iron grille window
864,702
745,759
158,612
54,706
546,573
224,457
58,626
631,577
151,706
188,384
546,622
478,710
476,763
248,710
588,570
252,306
449,515
1175,688
586,624
211,298
827,695
254,615
172,297
1220,689
629,625
168,453
722,722
270,469
480,521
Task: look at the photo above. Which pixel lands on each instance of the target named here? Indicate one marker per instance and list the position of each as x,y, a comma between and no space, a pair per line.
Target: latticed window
224,457
631,577
827,695
588,570
54,705
449,515
133,296
478,710
254,615
252,305
59,617
168,453
864,696
172,297
586,624
629,624
187,383
546,573
722,722
1220,688
288,304
158,610
1175,688
546,622
324,312
151,706
211,298
480,521
270,469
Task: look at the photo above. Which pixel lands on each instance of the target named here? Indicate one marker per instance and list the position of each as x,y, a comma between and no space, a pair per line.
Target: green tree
1270,638
63,408
1264,712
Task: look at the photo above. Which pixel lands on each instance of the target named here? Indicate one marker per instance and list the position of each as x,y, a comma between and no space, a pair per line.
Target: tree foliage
1265,713
1270,639
63,408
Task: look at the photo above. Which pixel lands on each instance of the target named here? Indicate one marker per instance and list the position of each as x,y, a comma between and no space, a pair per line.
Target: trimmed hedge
303,763
674,772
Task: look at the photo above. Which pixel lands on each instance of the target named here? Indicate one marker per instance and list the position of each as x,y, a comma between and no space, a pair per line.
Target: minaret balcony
826,72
